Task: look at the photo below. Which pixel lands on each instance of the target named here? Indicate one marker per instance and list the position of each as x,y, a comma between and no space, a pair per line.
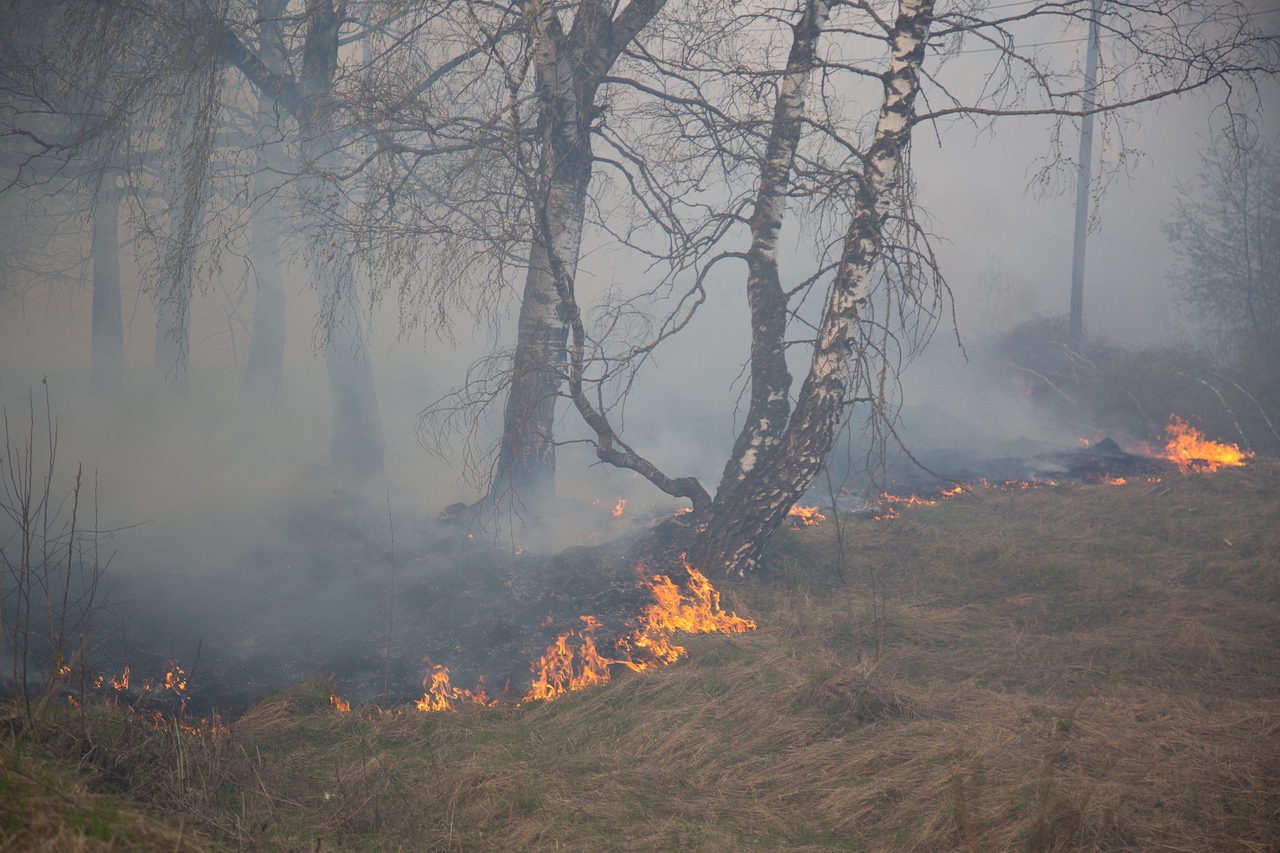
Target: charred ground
1069,667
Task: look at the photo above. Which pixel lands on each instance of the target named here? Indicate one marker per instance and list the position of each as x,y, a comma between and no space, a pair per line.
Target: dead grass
1076,668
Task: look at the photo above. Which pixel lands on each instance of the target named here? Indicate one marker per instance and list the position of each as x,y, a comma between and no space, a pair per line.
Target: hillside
1061,668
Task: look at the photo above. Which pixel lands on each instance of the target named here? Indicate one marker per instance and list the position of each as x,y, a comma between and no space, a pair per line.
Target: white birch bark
753,507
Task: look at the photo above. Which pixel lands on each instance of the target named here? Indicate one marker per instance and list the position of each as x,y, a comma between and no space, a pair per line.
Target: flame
574,661
805,516
617,510
1113,481
342,706
440,695
564,667
1191,451
175,679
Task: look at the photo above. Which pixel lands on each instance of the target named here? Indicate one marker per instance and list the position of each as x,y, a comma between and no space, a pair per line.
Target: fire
1191,451
894,504
574,661
805,516
342,706
617,510
564,667
442,696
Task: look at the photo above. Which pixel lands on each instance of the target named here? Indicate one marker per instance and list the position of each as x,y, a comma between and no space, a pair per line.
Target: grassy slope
1084,667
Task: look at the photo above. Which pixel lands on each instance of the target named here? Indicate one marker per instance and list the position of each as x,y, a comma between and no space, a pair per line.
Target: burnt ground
316,600
1031,462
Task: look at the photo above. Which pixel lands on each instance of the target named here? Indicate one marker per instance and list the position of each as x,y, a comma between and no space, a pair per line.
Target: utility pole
1075,328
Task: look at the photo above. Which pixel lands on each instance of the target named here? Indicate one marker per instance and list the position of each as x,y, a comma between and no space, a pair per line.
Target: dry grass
1076,668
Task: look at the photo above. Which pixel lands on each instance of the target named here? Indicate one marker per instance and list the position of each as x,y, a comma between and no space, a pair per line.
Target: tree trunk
107,365
527,456
356,445
264,371
770,380
748,510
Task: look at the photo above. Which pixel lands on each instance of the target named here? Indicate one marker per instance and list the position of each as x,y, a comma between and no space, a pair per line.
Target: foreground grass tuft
1071,668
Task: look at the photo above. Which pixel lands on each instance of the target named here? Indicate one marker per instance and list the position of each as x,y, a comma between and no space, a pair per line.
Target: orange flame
805,516
563,668
570,665
440,695
342,706
617,510
1191,451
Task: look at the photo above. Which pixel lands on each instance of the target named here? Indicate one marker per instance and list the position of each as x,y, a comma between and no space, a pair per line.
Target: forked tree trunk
760,488
570,68
106,369
526,470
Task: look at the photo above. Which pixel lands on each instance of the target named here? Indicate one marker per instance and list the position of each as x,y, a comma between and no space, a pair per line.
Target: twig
1222,400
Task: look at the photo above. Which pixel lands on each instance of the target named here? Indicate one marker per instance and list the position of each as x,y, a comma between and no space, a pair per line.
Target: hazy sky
1005,248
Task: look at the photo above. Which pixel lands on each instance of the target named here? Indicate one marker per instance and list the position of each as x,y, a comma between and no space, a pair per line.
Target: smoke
241,556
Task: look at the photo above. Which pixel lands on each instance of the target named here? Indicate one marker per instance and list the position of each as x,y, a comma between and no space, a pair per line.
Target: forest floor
1062,668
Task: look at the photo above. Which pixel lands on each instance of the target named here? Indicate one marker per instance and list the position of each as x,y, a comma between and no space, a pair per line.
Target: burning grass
1065,668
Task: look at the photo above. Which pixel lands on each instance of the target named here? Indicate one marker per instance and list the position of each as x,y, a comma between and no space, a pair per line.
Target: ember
805,516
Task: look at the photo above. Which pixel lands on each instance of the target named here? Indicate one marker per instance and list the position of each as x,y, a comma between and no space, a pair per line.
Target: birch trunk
749,508
527,456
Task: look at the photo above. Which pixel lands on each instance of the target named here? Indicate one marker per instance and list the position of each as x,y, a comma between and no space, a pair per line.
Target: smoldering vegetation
230,549
1079,667
233,550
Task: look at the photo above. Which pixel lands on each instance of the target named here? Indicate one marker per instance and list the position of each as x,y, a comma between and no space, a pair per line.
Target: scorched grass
1069,668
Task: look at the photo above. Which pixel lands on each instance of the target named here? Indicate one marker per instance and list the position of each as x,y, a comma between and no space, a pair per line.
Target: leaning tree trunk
754,499
107,365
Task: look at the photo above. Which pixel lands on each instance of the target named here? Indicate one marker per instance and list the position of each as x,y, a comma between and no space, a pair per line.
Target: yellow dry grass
1075,668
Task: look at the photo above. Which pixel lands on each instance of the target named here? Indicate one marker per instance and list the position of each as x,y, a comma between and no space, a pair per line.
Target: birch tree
1226,233
297,88
882,292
